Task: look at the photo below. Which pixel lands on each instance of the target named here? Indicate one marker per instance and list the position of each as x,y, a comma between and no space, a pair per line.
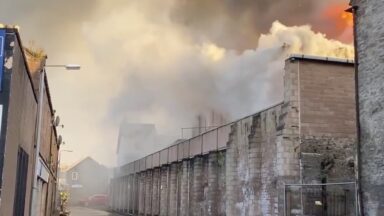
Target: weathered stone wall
320,121
284,144
196,188
173,190
251,165
148,192
211,192
164,172
156,192
369,43
327,121
184,188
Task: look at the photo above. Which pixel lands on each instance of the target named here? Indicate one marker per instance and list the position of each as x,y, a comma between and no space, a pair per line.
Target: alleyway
81,211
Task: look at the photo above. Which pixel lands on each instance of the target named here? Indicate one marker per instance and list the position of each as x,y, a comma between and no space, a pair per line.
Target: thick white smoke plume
175,80
164,62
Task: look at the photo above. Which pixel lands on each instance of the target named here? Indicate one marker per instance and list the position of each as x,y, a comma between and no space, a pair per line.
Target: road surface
80,211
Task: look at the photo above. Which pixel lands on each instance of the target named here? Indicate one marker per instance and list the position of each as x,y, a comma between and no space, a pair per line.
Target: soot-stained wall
307,138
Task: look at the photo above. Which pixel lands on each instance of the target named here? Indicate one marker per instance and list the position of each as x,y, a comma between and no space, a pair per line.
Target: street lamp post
34,208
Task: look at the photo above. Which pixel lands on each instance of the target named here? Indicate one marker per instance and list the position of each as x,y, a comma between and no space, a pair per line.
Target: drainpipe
35,189
360,206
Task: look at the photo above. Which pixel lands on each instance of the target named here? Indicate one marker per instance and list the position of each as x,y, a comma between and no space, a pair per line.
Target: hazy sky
165,61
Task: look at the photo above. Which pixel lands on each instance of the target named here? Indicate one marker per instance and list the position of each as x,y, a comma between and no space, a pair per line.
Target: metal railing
328,199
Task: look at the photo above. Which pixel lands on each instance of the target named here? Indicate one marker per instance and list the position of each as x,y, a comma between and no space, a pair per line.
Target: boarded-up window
21,183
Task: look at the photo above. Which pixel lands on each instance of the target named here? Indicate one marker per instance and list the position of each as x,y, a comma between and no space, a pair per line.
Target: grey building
19,80
86,178
369,43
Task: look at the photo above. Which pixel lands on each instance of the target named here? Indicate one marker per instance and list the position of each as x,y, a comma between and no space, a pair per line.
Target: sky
164,62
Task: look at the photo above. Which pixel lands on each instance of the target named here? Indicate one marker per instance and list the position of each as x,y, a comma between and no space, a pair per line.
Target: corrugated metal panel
172,154
195,147
164,157
223,136
137,166
210,141
148,162
180,151
156,160
186,149
142,164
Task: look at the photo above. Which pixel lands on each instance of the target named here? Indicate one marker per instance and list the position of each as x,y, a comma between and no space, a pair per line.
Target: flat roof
320,58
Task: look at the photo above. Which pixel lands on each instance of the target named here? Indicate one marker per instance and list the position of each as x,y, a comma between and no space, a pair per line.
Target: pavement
82,211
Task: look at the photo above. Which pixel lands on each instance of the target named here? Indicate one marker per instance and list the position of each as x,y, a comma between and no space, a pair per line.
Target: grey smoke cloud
159,62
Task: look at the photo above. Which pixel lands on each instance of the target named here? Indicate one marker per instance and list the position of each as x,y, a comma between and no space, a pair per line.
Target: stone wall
369,22
284,144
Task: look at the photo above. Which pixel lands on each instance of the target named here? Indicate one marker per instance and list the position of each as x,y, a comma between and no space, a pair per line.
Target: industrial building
296,157
19,78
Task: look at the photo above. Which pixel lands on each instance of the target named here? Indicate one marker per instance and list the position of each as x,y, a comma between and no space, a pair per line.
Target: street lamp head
67,66
72,67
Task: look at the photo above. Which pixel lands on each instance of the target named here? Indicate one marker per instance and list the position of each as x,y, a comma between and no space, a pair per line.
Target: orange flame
336,22
337,13
348,18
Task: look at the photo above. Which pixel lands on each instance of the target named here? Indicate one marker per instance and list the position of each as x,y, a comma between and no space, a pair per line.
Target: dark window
21,183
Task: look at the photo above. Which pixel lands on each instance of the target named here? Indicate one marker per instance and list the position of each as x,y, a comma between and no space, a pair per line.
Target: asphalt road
81,211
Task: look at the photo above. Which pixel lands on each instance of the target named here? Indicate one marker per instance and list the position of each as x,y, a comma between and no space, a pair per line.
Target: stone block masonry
241,168
184,188
164,190
197,189
148,192
155,192
173,190
369,43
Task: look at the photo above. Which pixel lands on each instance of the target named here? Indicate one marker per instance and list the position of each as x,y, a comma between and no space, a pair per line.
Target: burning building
293,158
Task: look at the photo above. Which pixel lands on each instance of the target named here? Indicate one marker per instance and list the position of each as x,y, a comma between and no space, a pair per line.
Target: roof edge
320,58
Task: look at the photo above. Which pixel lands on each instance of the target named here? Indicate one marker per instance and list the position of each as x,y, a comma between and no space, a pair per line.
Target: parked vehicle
95,200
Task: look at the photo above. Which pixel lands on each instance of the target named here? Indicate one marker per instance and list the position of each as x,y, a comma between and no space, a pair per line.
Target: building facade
18,102
369,43
294,158
86,178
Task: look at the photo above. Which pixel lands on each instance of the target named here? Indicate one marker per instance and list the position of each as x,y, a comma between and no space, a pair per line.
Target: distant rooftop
320,58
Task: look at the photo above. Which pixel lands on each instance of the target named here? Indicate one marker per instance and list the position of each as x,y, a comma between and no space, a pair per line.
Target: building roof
74,165
320,58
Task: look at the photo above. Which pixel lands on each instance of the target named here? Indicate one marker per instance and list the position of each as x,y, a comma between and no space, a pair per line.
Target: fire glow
337,13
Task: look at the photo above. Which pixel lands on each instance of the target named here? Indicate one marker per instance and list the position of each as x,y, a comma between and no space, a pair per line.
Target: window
21,182
75,176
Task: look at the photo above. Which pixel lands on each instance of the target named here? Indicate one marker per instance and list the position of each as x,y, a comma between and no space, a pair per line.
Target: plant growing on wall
64,197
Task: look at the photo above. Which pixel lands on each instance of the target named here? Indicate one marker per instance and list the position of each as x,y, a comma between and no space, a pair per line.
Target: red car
96,200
